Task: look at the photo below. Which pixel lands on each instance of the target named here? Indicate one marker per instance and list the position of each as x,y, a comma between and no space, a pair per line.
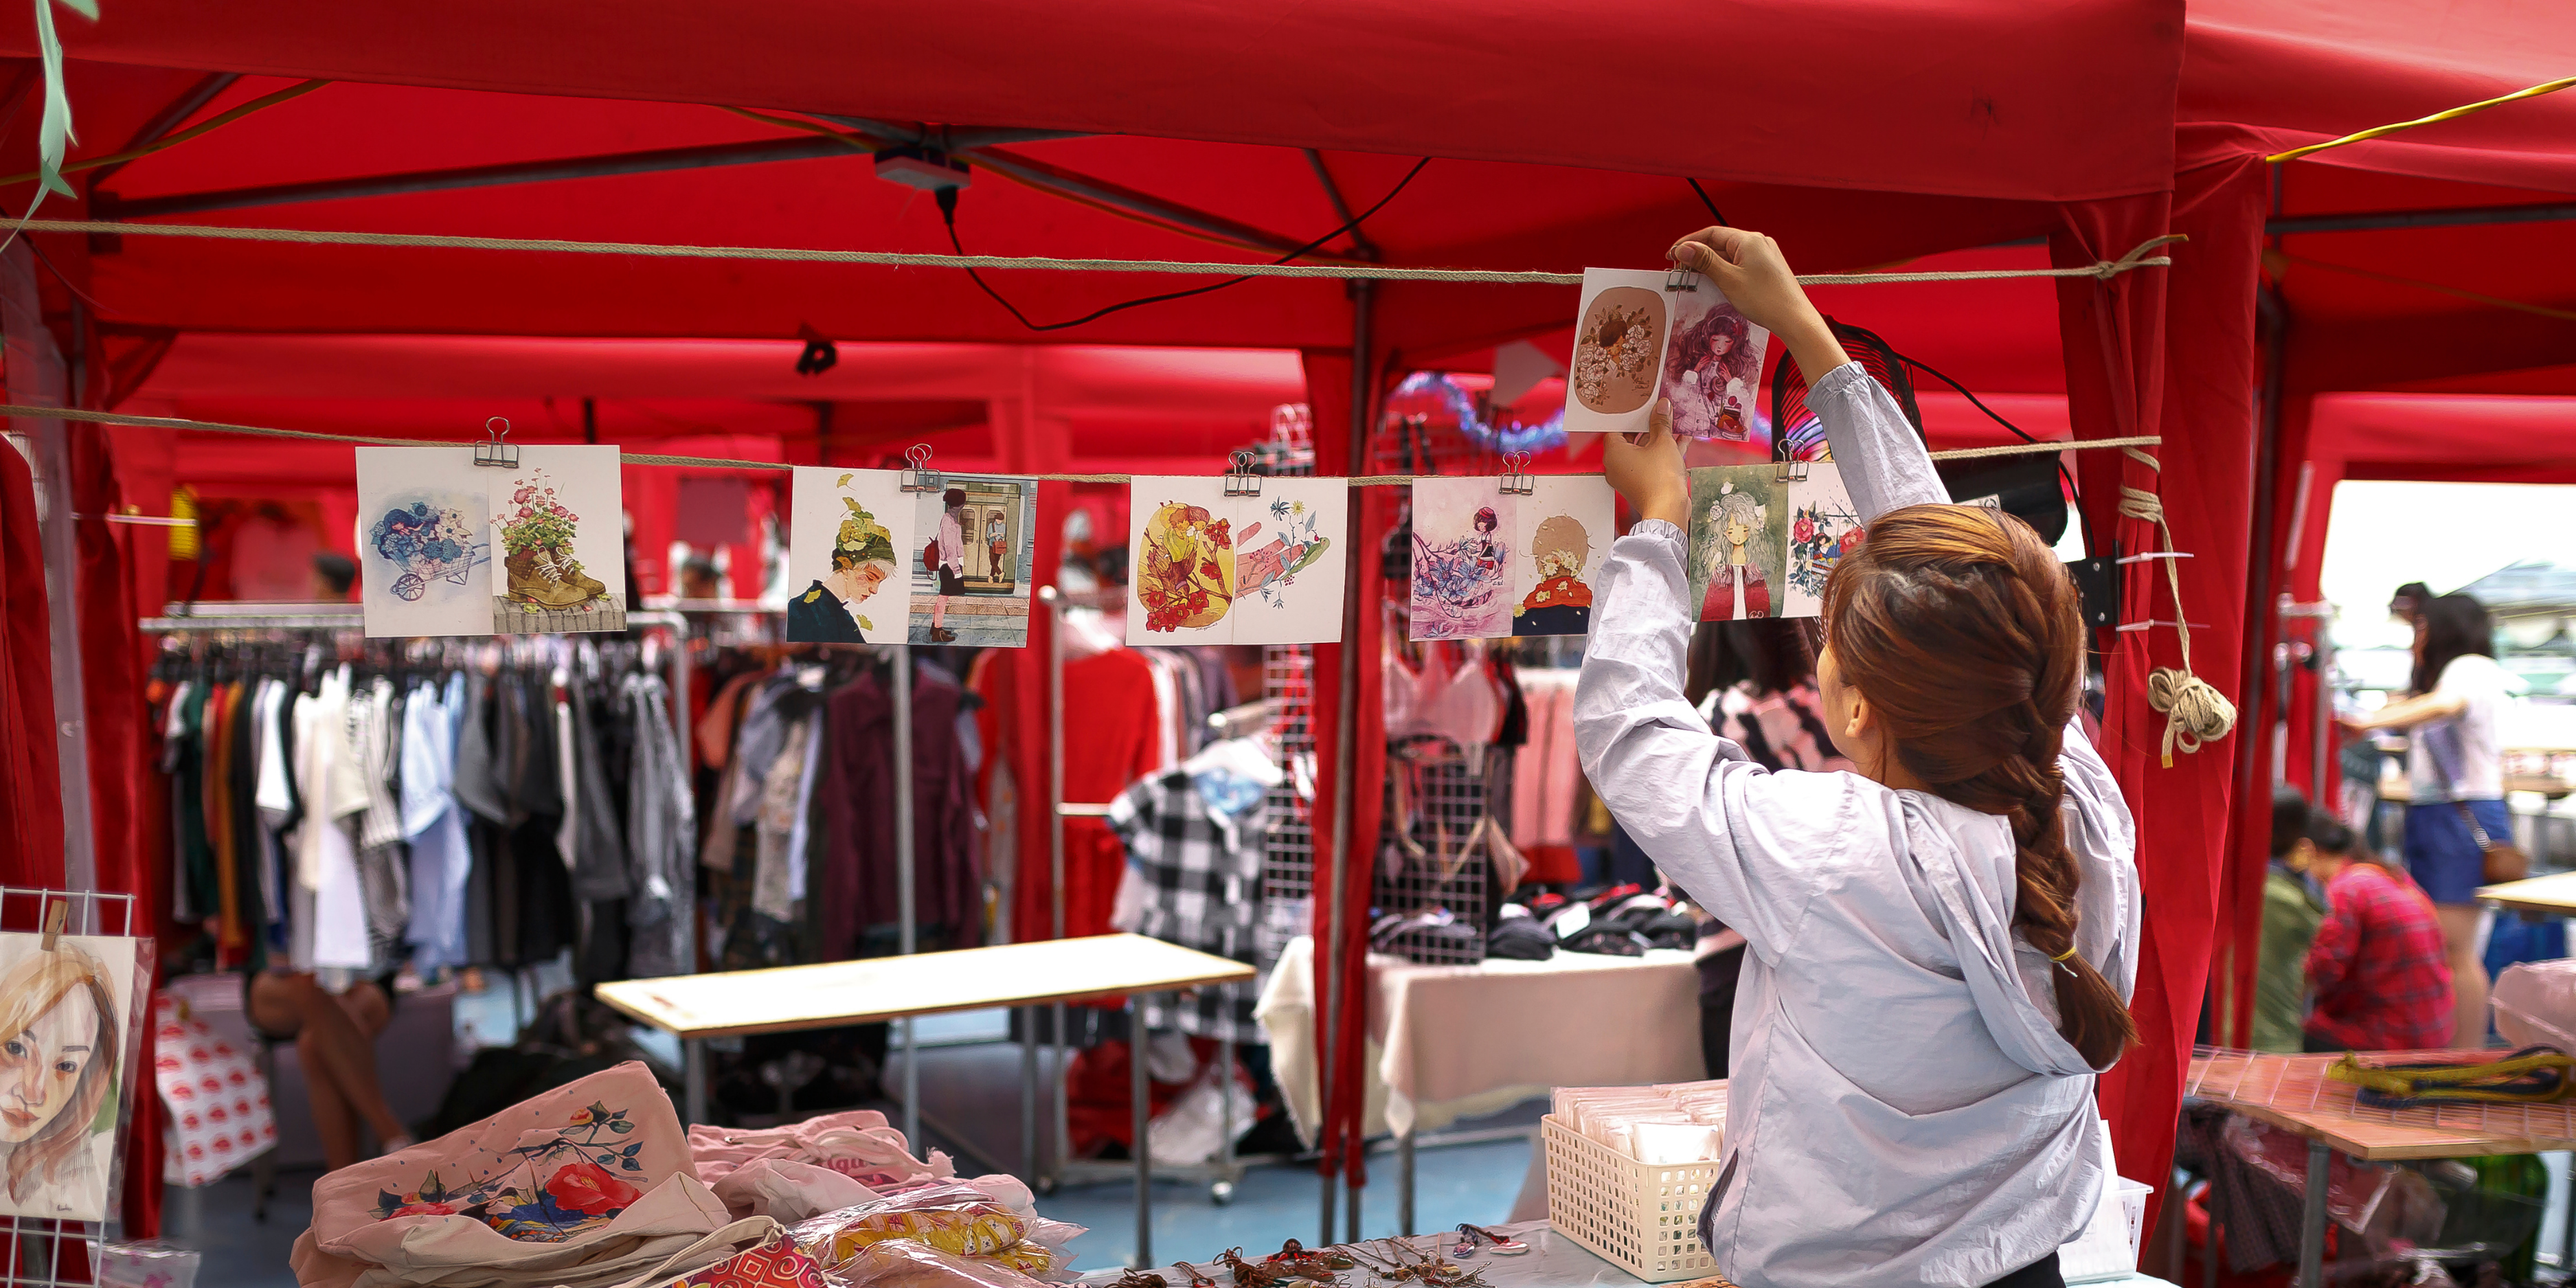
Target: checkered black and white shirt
1201,872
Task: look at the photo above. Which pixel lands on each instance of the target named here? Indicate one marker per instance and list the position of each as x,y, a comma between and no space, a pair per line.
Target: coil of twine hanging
2195,711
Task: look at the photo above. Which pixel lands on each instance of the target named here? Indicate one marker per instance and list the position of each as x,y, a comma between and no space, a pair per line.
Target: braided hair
1960,629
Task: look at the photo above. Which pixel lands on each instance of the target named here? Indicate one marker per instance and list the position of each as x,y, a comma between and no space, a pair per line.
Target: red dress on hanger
1112,726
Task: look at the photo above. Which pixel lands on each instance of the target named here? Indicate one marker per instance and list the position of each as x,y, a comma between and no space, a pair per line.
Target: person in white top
2454,775
1941,944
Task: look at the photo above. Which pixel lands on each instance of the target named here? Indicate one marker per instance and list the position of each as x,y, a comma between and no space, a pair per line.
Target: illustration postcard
424,541
1488,564
1207,568
558,542
1823,527
971,547
1762,545
1462,559
1561,533
849,541
1636,340
72,1010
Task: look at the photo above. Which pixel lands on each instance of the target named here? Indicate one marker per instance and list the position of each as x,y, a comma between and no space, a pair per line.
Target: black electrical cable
1706,201
2090,546
948,213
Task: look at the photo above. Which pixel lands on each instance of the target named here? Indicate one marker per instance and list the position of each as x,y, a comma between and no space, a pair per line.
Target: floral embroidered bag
568,1187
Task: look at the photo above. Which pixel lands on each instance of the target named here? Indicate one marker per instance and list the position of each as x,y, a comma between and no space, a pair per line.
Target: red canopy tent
1858,135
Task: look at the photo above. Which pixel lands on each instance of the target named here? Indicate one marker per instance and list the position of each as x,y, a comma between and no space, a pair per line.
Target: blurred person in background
2292,907
2454,774
2380,966
2407,605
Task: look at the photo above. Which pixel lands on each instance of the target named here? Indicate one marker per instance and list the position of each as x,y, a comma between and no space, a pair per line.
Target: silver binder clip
1516,480
1793,470
1240,480
496,449
1682,279
917,474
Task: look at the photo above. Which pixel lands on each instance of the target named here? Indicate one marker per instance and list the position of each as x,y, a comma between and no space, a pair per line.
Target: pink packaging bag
219,1116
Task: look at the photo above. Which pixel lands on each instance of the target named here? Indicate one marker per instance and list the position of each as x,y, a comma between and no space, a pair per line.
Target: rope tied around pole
2195,711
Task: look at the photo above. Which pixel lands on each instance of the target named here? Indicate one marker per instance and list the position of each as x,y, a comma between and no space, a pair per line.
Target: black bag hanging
2025,487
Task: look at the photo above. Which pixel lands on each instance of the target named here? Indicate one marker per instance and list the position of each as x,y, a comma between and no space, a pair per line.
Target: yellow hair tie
2070,951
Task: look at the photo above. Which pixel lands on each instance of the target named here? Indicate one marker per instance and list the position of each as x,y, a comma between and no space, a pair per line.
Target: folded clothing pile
1622,921
819,1165
956,1235
1673,1122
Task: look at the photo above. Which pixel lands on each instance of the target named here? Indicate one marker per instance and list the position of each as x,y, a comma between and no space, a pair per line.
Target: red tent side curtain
2169,353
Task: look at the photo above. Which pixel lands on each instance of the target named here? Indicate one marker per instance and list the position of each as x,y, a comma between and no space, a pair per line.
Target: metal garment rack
1220,1175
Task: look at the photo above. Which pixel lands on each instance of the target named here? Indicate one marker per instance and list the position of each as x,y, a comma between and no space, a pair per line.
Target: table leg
693,1078
1222,1191
1404,1183
1029,1094
2567,1227
2312,1228
912,1089
1141,1104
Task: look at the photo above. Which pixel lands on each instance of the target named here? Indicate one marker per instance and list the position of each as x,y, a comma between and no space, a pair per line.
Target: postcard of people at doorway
850,537
1207,568
972,550
1761,544
1489,564
1636,340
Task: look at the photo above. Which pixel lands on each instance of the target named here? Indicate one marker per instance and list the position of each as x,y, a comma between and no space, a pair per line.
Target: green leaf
621,1128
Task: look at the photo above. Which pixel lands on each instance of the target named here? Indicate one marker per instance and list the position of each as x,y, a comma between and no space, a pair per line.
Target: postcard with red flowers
1207,568
556,1183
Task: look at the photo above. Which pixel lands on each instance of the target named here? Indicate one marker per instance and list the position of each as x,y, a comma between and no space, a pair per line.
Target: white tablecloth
1451,1042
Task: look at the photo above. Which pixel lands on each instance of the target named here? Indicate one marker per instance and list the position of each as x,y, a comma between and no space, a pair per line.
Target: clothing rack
1224,1173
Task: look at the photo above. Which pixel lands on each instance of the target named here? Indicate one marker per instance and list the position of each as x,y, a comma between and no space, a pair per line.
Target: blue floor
971,1086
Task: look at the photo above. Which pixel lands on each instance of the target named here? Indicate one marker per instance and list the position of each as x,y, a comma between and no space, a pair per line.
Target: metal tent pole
1055,854
905,919
1327,956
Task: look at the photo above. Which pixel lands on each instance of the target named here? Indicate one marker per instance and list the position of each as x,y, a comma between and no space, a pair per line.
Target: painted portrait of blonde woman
61,1039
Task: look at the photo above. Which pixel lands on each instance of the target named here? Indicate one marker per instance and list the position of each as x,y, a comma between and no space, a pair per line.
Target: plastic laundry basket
1640,1217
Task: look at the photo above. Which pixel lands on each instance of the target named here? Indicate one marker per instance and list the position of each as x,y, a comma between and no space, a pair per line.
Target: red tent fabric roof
1992,98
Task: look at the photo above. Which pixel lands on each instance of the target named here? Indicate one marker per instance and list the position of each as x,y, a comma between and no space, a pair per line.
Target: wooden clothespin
55,911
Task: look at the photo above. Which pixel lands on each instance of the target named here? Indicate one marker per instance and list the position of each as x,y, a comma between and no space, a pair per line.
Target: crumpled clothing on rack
582,1187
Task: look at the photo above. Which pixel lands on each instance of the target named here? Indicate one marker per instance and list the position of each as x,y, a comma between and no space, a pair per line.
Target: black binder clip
1516,480
917,475
496,449
1240,480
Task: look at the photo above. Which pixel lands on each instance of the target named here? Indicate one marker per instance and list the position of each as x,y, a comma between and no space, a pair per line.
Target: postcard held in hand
1636,340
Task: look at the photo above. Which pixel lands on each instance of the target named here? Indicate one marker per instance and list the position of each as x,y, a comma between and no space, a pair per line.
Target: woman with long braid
1942,943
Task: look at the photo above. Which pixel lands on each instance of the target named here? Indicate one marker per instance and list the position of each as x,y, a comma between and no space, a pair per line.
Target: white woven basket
1640,1217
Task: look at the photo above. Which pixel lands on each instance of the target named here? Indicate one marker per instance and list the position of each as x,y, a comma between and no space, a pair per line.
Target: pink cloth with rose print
579,1186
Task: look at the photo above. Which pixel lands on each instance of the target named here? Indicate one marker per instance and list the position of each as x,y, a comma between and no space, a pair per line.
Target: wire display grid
1288,685
35,1245
1431,886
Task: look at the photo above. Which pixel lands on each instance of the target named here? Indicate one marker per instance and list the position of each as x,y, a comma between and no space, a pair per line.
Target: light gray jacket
1904,1110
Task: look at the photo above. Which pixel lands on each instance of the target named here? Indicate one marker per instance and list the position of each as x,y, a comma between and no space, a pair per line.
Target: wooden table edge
609,993
2463,1146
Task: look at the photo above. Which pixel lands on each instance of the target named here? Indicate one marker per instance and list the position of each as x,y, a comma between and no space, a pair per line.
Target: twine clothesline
729,463
2102,270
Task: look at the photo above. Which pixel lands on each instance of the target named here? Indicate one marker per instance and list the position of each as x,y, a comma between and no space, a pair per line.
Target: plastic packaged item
147,1264
2535,1004
958,1221
903,1263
